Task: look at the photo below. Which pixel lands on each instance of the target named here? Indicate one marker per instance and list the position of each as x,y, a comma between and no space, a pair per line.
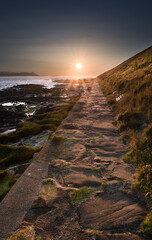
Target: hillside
128,90
8,74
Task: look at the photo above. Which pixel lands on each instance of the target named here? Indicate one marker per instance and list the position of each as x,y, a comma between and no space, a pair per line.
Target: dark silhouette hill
9,74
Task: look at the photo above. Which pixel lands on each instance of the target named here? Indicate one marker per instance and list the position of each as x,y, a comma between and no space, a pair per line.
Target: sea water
47,81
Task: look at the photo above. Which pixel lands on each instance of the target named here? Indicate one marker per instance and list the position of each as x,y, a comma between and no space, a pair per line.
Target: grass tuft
147,225
57,139
78,195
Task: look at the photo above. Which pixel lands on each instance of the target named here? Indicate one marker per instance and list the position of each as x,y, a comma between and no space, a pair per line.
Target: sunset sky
50,36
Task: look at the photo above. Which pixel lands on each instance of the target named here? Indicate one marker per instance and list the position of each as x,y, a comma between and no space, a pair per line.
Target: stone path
85,157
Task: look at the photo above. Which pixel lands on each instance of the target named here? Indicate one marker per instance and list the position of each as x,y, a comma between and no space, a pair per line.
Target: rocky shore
29,115
18,103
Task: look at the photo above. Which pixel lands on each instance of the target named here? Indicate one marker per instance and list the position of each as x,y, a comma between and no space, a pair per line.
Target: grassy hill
128,89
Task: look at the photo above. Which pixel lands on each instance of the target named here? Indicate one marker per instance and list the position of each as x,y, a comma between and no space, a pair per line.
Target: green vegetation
4,187
104,186
147,225
78,195
38,123
125,138
57,139
128,89
24,129
38,238
91,154
98,171
25,233
48,192
10,155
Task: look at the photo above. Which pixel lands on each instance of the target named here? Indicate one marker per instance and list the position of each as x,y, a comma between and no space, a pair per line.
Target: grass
49,191
125,138
38,238
98,171
133,111
147,225
135,107
57,139
78,195
91,154
25,233
104,186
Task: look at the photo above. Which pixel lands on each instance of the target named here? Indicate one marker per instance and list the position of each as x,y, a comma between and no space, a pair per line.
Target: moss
78,195
10,155
2,174
24,129
13,180
4,187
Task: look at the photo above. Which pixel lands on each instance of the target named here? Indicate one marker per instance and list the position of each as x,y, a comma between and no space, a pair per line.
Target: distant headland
8,74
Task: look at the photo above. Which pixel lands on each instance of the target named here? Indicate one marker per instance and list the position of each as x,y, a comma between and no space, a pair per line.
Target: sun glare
78,65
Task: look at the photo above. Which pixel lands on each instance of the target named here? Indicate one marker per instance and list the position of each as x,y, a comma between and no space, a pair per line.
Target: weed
147,225
57,139
98,171
125,138
88,168
128,157
38,238
104,186
91,154
49,191
78,195
23,234
136,186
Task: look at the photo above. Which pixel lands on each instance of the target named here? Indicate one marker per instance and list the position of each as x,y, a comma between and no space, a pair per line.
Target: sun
78,65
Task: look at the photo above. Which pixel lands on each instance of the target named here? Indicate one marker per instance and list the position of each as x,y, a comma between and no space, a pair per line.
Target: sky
50,36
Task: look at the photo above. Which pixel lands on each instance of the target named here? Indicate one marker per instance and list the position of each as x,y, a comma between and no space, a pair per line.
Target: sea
47,81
